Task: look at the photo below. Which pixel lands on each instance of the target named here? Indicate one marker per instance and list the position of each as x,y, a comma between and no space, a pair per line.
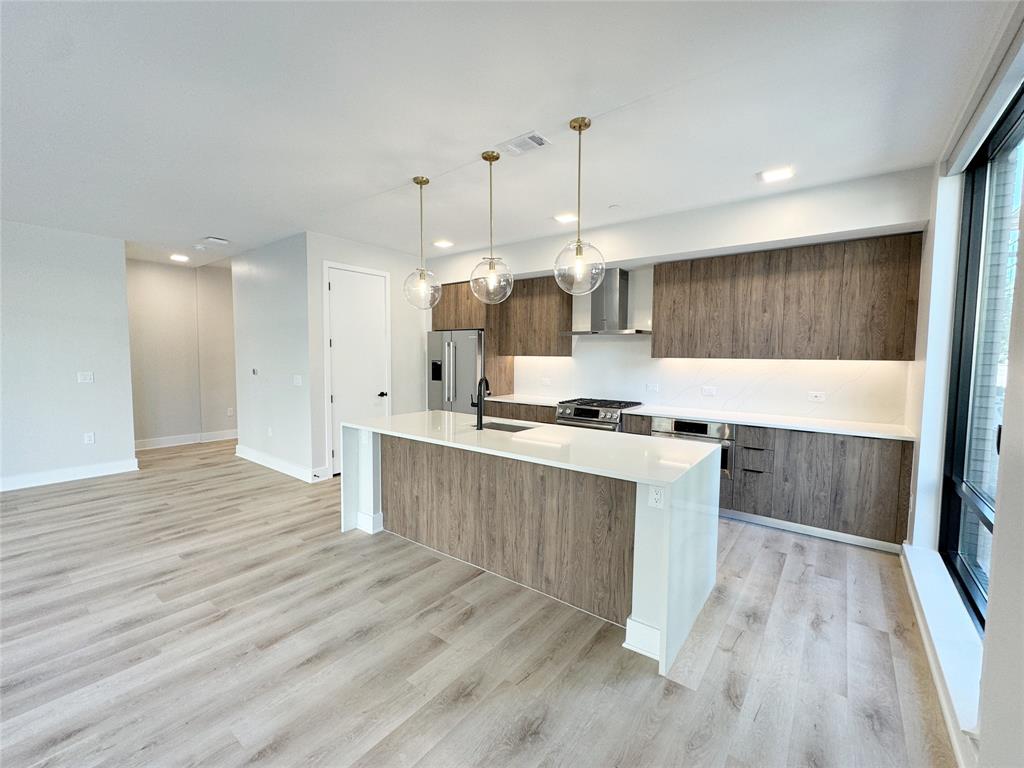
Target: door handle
453,378
382,394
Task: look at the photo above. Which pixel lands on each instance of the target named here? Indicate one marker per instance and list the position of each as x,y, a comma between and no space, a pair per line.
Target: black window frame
958,498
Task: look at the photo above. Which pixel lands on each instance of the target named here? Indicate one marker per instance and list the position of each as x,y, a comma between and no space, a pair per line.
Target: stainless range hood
608,307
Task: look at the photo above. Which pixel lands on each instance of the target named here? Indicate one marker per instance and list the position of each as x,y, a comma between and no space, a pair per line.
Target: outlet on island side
656,497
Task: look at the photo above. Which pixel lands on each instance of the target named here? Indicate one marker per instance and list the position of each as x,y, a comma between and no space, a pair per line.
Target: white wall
215,313
895,202
63,310
182,339
165,361
408,329
928,380
271,308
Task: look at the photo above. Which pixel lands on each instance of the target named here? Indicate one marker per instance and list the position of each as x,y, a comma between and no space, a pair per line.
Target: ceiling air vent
523,144
211,240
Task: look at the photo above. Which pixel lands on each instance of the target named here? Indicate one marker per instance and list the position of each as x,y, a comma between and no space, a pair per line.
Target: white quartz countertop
637,458
801,423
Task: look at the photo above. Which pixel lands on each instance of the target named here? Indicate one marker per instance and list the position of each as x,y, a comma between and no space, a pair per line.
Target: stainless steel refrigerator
455,363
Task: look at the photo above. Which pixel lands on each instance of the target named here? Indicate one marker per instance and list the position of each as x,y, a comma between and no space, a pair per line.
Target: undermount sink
506,427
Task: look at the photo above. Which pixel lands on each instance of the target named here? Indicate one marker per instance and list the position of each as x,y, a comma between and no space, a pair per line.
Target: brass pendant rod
490,202
579,183
422,263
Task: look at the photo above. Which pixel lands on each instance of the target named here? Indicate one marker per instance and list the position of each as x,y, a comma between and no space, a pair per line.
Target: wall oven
707,431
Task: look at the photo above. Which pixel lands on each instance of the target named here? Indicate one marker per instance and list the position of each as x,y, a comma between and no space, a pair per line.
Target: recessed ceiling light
565,218
443,243
776,174
198,247
179,257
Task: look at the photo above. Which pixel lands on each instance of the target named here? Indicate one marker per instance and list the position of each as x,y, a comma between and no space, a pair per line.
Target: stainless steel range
592,413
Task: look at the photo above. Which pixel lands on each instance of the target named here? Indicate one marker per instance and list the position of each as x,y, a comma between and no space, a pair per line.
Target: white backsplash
623,368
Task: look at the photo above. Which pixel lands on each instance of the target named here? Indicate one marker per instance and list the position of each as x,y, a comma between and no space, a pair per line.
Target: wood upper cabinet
853,300
758,295
879,307
866,492
458,309
670,306
812,290
534,318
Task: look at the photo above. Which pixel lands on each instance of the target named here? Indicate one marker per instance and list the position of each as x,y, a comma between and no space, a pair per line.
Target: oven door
728,448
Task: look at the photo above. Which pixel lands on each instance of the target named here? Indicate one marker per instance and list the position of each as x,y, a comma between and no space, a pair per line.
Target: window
990,235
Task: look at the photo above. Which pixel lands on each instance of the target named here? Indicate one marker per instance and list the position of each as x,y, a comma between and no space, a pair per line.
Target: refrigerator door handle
454,379
447,383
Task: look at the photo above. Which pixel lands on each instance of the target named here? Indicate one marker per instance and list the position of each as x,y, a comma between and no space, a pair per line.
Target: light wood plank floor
206,611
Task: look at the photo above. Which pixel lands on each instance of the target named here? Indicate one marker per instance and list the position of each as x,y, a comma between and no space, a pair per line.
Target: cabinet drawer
755,437
752,492
761,459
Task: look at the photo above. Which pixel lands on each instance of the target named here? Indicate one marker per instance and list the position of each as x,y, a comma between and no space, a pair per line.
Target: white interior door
359,348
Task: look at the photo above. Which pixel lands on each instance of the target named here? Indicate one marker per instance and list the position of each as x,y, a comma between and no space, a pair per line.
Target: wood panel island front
619,525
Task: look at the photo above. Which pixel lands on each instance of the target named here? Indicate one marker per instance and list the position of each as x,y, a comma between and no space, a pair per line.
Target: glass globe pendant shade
422,289
491,281
579,268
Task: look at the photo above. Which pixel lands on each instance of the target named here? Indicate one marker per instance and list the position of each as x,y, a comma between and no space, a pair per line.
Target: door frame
327,353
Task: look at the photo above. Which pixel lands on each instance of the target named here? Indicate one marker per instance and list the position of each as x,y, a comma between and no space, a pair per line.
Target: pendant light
491,280
579,268
422,288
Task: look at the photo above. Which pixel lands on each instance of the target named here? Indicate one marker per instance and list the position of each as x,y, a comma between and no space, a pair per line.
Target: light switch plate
88,438
231,411
816,397
709,391
85,377
656,497
297,380
270,431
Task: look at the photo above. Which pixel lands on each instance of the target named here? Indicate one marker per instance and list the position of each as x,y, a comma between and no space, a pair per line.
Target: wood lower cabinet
802,480
866,475
636,425
853,300
567,534
855,485
545,414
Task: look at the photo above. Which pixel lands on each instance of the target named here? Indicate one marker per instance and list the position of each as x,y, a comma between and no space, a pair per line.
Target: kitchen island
622,526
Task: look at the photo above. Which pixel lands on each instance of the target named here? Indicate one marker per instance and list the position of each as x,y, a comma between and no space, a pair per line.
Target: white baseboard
187,439
370,523
642,638
224,434
273,462
166,442
50,476
320,474
810,530
952,645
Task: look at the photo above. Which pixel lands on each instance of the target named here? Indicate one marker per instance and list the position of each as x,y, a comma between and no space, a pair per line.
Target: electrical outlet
656,497
270,431
545,381
816,397
231,411
709,391
652,387
88,438
85,377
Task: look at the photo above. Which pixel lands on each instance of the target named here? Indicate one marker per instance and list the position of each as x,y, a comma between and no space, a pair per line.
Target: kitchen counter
636,458
622,526
799,423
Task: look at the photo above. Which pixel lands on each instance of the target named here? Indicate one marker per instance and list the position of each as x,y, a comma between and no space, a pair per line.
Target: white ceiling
163,123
